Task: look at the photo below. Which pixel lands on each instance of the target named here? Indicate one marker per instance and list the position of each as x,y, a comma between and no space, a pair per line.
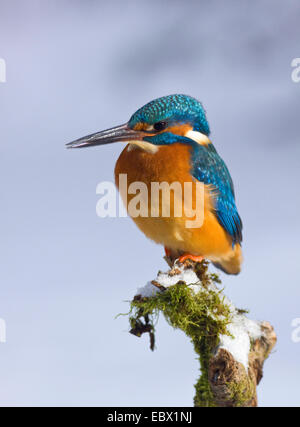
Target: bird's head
164,121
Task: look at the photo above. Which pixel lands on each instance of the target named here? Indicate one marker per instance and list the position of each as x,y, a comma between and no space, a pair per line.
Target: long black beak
117,134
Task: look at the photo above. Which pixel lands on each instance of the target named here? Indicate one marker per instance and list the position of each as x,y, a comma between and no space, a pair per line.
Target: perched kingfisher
168,141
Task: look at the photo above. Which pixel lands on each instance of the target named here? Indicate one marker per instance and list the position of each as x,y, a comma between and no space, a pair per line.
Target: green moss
202,317
242,392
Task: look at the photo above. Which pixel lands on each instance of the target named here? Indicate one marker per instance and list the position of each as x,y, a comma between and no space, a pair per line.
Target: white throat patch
144,145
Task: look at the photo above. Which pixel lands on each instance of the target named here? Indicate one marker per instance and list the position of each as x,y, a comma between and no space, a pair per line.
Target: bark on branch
230,381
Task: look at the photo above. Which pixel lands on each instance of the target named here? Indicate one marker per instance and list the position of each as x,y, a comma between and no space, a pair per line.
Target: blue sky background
74,67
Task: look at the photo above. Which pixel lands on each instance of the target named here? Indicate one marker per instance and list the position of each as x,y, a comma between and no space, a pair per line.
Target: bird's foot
185,257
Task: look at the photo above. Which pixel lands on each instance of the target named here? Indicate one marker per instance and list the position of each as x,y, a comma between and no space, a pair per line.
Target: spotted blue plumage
206,164
174,109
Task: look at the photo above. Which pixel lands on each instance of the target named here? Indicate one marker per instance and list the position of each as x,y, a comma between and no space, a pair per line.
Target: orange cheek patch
180,129
140,126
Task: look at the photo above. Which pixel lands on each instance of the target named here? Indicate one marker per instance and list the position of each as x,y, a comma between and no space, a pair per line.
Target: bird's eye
159,126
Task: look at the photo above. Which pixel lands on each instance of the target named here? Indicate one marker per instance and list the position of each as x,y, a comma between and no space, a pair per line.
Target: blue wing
208,167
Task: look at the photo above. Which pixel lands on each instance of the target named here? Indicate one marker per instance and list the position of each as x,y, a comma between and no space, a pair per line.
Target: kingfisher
167,141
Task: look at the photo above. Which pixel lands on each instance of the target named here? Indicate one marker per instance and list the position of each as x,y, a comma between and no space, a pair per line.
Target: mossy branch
190,300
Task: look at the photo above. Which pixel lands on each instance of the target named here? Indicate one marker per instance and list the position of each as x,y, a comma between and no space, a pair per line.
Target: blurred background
76,67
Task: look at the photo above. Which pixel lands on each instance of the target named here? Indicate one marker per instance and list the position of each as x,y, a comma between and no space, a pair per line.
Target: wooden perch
231,348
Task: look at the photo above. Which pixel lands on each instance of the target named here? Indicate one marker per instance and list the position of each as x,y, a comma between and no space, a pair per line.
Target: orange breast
172,164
